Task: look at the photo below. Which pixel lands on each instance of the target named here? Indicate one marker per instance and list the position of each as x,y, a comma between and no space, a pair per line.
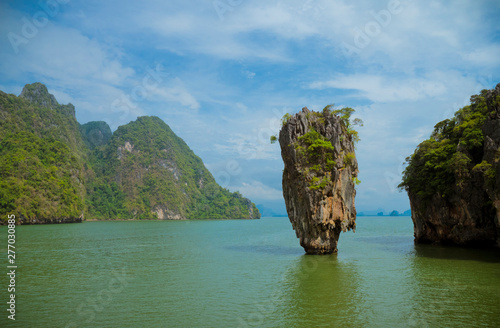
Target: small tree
285,118
345,115
328,110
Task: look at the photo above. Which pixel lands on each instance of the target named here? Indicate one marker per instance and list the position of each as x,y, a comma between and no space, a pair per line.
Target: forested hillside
42,157
146,171
53,169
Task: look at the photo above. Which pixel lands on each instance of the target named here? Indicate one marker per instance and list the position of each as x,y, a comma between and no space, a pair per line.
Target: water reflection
237,274
266,249
455,287
491,255
321,291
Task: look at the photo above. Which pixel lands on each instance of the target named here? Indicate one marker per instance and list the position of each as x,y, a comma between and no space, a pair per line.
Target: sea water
239,273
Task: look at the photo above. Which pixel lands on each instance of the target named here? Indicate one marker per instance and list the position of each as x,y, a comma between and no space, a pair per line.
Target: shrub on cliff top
453,150
345,114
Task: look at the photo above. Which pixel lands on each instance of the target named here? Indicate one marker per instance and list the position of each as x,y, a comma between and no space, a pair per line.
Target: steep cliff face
453,179
491,175
318,179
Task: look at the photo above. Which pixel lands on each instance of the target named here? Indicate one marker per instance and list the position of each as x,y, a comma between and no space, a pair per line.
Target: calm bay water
244,274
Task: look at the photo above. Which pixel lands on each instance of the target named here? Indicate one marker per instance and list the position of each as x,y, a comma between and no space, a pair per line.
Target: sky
222,73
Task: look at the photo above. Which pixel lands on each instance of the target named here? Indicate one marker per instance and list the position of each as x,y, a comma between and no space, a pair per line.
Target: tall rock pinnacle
319,178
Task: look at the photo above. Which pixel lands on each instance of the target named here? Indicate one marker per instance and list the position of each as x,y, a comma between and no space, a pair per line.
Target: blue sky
222,73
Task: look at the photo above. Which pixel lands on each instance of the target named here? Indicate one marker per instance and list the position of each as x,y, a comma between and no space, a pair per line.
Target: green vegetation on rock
345,114
316,149
148,172
42,157
452,153
452,178
318,152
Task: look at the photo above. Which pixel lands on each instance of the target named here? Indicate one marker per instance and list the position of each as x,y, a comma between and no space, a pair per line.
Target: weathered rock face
37,93
470,214
464,219
318,179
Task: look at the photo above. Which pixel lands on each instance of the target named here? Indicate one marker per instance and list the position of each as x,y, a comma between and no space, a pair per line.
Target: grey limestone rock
37,93
318,179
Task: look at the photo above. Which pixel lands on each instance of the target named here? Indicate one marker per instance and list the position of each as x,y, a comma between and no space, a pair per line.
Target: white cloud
257,190
192,31
383,89
249,74
76,68
249,147
66,54
488,56
175,91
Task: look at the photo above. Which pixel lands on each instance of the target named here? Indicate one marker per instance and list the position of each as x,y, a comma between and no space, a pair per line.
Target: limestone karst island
319,176
453,178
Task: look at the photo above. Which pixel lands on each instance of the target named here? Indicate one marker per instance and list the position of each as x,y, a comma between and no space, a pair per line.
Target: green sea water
244,274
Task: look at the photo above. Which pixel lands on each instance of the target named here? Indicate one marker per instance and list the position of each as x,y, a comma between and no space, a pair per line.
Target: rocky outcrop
32,221
468,213
163,213
318,179
38,94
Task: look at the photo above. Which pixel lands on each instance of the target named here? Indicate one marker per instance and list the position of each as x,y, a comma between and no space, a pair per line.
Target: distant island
381,212
55,170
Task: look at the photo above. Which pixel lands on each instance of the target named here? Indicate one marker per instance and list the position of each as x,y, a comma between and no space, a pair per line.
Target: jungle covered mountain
146,171
42,158
53,169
